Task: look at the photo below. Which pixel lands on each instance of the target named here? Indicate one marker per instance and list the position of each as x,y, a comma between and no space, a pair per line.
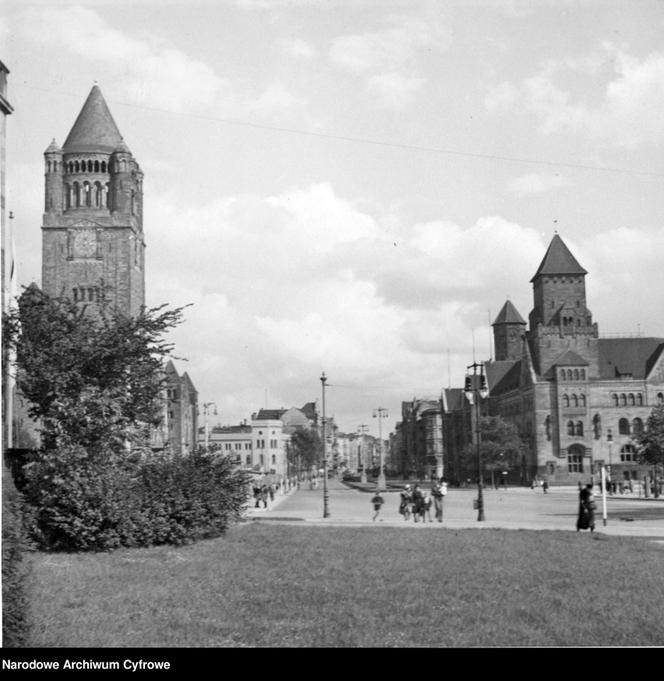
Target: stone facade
578,399
93,246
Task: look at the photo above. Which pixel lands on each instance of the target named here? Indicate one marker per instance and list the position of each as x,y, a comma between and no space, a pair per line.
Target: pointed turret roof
509,315
558,260
52,147
94,129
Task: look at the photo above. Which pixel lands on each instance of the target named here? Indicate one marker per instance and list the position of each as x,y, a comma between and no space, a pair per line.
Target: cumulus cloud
147,70
297,47
536,183
627,115
388,57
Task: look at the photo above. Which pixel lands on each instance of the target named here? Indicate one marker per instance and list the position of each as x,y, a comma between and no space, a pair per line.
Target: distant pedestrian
257,496
405,501
418,504
264,495
586,517
377,502
545,486
270,491
426,513
438,492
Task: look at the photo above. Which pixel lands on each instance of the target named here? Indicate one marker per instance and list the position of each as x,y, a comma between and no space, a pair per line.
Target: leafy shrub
83,501
15,617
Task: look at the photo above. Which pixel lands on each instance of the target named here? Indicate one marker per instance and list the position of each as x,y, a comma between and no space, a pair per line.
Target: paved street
514,508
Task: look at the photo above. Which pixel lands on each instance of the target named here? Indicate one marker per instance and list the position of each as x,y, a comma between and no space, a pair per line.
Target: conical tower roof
509,315
558,260
94,129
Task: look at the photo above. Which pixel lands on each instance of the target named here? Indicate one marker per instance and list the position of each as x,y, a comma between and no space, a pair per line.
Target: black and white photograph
330,324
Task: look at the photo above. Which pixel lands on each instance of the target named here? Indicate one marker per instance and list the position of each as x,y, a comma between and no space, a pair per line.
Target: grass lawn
292,586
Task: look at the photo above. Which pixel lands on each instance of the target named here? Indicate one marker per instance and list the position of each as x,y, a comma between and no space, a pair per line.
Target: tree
501,446
306,449
650,442
93,380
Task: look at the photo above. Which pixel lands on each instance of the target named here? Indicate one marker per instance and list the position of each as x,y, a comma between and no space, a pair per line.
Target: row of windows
237,445
624,427
572,374
88,166
631,399
84,294
87,195
574,400
575,461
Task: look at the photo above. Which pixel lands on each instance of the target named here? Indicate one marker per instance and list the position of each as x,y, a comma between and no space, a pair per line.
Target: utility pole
362,430
206,407
326,510
380,413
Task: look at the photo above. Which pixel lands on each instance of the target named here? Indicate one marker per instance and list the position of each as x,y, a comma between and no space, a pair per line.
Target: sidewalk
513,508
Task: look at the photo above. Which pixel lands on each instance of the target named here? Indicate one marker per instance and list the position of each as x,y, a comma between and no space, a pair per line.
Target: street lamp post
476,388
206,407
362,430
380,413
609,479
326,510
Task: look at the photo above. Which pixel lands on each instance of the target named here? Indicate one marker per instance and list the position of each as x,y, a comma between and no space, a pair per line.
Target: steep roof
558,260
570,358
509,315
94,129
269,414
498,370
454,399
628,356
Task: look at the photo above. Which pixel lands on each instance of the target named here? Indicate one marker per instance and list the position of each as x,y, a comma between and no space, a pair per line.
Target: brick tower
93,248
560,320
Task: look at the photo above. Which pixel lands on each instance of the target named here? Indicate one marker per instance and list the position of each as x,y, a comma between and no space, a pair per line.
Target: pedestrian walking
270,491
405,500
426,512
438,492
377,502
418,504
586,517
264,495
545,486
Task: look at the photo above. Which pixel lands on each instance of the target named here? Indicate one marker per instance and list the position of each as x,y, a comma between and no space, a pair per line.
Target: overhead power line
364,140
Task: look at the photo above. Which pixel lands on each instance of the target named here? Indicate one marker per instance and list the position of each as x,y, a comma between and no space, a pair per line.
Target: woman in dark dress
586,518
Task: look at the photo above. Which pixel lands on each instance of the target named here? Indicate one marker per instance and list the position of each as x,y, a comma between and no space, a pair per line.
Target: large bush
82,501
15,615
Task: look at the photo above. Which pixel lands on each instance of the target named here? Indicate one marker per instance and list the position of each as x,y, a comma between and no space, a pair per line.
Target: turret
53,172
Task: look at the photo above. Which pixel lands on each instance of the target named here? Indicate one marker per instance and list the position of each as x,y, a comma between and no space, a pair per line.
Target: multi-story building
179,426
579,400
420,440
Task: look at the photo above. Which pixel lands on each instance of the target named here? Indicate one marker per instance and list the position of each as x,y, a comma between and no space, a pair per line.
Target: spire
94,129
558,260
509,315
52,148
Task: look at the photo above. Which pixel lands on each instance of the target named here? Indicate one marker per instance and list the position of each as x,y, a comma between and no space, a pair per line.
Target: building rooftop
633,357
94,129
509,315
558,260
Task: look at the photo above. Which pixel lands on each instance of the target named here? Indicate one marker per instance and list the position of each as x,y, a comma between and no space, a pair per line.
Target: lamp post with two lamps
476,388
380,413
206,407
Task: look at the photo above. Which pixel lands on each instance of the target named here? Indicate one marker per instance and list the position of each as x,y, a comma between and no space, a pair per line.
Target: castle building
93,246
579,400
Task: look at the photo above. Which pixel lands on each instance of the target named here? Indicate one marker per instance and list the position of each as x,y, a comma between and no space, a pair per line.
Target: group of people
416,503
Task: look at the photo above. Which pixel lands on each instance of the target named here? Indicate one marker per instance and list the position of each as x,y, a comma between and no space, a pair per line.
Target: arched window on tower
107,193
623,427
98,195
614,399
570,427
103,166
639,399
583,374
623,400
77,195
96,166
576,374
631,399
575,401
67,196
637,427
565,401
86,194
582,400
579,428
89,166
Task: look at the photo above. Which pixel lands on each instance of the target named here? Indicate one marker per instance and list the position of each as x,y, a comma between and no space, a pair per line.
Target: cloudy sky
357,186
